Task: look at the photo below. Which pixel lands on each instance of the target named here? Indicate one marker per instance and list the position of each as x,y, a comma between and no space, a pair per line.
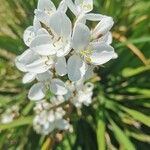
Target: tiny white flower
84,95
56,100
41,105
46,120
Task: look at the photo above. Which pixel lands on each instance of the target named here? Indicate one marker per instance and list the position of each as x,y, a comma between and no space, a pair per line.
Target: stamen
88,59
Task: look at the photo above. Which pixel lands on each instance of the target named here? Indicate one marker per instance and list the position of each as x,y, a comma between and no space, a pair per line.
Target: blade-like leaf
101,127
19,122
138,116
121,137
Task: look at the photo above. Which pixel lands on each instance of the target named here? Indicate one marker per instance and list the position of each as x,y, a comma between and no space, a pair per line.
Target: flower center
86,54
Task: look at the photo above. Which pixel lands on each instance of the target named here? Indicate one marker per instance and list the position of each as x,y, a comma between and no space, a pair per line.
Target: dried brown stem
131,46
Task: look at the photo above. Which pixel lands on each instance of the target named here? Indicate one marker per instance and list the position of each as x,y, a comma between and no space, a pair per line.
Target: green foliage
119,116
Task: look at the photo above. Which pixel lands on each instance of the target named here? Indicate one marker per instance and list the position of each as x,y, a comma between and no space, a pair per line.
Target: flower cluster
48,119
59,49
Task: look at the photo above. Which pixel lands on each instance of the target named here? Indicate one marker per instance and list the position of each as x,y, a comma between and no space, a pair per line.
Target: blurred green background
119,117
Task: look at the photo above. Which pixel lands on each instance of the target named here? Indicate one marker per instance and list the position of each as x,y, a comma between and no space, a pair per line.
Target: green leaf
18,122
101,127
139,136
129,72
10,44
137,115
145,92
121,137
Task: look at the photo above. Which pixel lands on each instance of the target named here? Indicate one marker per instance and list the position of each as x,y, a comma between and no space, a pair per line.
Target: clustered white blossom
59,49
48,119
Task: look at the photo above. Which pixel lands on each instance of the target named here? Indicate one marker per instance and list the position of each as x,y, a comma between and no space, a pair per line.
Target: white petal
59,113
36,92
64,50
86,5
36,24
42,45
72,7
81,19
103,26
42,16
58,87
60,26
89,73
28,77
107,38
102,53
42,31
62,6
29,35
39,66
81,37
62,124
19,65
79,84
25,58
46,76
94,17
76,68
46,5
61,66
51,127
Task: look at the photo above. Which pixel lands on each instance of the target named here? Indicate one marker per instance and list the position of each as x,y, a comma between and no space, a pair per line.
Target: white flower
79,93
58,42
45,83
41,105
56,100
32,63
83,94
46,8
86,52
51,48
48,120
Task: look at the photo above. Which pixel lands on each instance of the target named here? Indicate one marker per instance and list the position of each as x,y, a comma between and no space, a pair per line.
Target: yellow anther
82,52
86,53
88,59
